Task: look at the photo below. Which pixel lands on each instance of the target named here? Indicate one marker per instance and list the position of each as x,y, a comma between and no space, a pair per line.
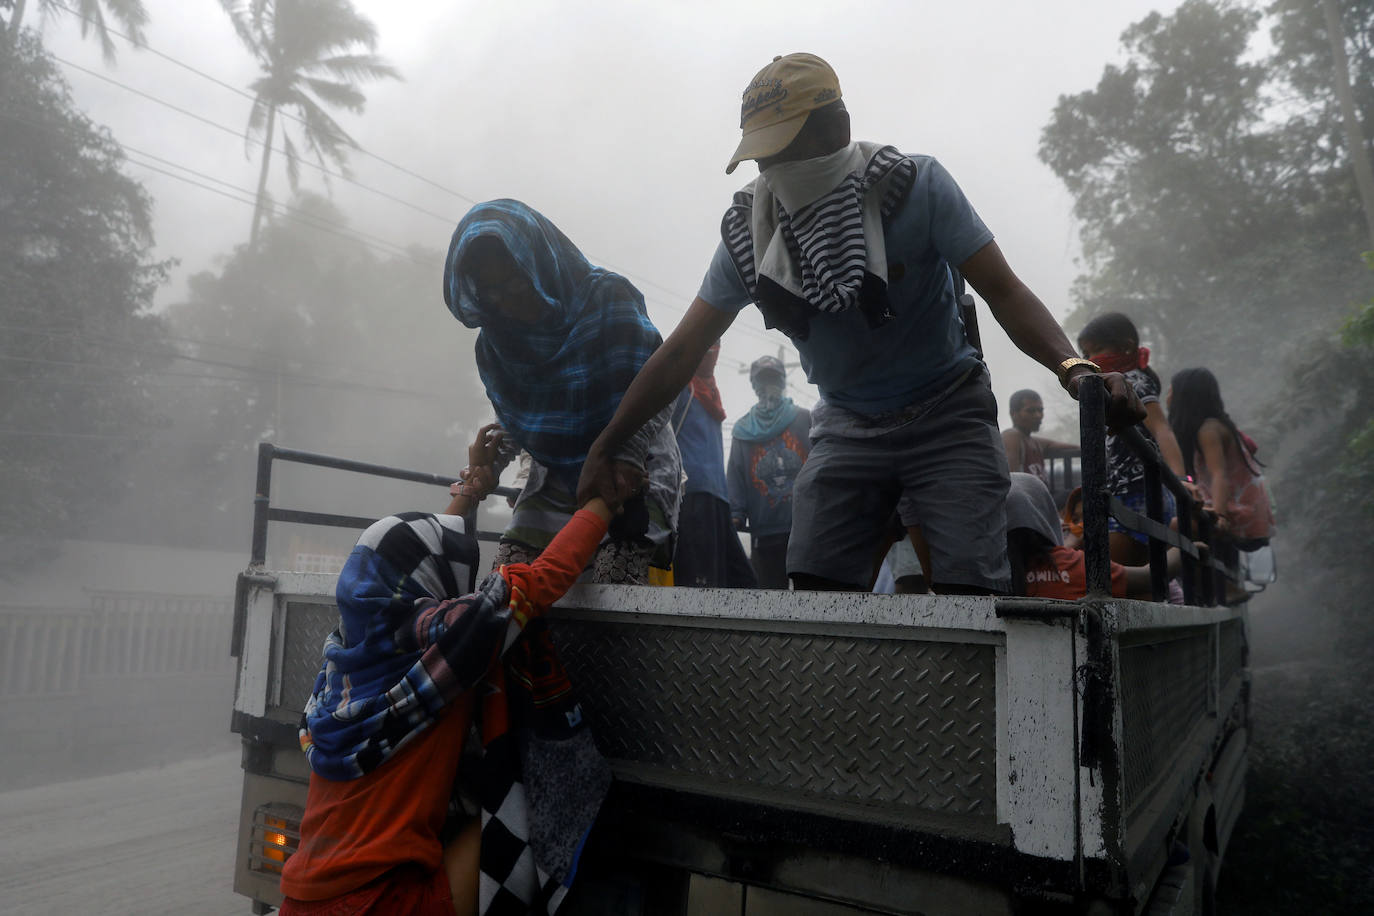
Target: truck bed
865,752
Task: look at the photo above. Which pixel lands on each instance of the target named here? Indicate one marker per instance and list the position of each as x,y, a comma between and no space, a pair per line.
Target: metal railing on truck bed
880,753
1204,572
868,750
264,512
1178,703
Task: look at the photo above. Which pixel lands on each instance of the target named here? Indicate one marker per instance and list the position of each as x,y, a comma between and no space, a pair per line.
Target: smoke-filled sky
616,118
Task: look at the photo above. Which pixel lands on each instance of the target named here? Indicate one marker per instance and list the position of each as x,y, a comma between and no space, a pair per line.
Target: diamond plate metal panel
307,624
1165,690
884,725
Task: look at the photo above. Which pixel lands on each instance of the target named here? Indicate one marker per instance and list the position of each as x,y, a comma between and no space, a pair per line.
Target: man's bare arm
1158,424
1018,310
1011,444
1035,332
1053,448
661,379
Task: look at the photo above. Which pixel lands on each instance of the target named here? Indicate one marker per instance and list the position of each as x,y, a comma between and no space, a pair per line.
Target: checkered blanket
541,779
404,651
554,384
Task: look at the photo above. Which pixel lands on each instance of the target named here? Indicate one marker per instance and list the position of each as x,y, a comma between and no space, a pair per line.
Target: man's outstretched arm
1053,448
661,379
1035,332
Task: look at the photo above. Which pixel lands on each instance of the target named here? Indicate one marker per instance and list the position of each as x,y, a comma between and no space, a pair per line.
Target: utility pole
259,210
1354,133
782,358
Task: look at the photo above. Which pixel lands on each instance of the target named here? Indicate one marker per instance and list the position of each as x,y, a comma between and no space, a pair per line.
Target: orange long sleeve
550,576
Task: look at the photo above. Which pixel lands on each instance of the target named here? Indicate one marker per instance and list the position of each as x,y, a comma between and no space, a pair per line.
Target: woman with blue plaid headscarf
559,342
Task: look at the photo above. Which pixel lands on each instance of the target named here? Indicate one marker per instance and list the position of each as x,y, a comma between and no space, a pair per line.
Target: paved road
154,841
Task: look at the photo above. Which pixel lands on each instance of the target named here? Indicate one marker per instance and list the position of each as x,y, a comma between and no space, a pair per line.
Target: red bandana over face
704,384
1117,361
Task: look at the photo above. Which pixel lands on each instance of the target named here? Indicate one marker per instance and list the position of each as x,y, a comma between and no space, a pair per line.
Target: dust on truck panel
767,736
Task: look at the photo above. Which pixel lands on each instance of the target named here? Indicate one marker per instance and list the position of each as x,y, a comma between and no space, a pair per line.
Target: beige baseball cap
777,101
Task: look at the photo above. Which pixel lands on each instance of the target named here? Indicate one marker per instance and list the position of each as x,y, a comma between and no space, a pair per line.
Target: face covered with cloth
560,339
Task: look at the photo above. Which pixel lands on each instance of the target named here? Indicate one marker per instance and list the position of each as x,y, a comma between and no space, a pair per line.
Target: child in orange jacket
414,663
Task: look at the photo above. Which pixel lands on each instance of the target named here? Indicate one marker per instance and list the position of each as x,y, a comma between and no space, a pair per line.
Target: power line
94,383
292,213
448,220
644,280
809,397
264,375
112,437
215,124
100,340
204,380
136,349
36,433
250,97
319,226
108,340
294,378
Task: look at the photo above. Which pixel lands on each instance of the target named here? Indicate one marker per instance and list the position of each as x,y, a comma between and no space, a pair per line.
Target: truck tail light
275,835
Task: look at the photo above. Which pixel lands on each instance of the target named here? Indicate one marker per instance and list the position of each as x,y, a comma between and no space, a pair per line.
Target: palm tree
128,13
310,55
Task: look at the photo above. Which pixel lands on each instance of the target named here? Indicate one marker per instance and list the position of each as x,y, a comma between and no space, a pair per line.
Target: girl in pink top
1220,458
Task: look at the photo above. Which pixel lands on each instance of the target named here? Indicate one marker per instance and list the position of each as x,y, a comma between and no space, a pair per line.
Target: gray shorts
941,464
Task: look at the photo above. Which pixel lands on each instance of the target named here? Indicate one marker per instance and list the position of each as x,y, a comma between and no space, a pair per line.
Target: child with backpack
1220,459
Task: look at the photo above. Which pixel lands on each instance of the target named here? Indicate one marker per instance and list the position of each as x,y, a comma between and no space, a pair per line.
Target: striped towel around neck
807,236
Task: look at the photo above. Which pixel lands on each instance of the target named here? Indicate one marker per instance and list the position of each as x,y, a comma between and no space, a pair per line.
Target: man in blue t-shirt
708,553
849,248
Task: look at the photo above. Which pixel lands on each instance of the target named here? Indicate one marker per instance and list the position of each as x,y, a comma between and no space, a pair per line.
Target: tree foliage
94,16
1212,180
313,341
1328,490
1218,207
313,55
1210,208
78,282
1303,61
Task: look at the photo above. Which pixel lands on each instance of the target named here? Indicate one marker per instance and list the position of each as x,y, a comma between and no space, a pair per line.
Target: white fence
55,652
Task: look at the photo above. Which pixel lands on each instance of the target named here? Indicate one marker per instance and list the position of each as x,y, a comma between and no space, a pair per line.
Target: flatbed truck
839,753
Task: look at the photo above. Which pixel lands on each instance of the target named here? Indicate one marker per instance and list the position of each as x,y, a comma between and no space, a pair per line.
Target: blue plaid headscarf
554,384
407,643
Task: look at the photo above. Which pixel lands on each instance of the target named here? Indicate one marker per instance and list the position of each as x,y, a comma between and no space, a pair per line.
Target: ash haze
120,779
616,120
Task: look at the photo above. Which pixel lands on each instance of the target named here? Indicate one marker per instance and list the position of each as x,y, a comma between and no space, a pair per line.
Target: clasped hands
622,481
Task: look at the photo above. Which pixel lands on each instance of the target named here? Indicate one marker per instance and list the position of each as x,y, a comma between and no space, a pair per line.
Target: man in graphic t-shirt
768,447
849,248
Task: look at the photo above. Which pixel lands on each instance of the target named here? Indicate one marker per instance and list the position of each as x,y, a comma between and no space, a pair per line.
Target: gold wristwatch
1068,364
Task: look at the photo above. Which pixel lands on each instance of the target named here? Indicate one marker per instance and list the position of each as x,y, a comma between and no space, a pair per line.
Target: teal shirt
872,370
